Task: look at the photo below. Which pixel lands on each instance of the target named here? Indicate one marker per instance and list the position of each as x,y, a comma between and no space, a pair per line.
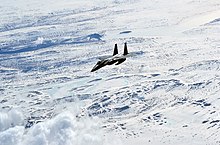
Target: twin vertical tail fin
125,49
115,50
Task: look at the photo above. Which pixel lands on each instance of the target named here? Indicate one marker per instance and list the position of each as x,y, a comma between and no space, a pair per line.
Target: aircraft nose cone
99,65
94,69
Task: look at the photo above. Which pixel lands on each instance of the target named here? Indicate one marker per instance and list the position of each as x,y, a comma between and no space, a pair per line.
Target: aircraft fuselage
109,61
115,59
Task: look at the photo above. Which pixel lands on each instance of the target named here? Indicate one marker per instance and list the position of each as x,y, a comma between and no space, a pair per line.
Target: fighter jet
114,59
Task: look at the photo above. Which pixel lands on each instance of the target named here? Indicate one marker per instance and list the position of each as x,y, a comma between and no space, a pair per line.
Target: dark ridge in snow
200,85
3,101
201,103
95,80
65,99
95,36
125,32
215,21
123,108
205,121
48,52
154,75
36,92
214,121
32,121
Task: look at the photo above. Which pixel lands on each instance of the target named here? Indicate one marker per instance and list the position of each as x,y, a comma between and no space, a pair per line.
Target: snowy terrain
168,93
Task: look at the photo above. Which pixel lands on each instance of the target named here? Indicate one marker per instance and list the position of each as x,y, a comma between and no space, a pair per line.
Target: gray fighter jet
115,59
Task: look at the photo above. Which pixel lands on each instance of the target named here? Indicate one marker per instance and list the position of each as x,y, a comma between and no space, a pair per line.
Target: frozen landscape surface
167,94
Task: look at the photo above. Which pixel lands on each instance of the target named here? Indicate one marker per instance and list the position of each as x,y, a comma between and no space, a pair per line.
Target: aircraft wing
131,54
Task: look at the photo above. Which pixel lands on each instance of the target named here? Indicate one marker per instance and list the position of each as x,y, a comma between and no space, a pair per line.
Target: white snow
10,119
64,129
166,92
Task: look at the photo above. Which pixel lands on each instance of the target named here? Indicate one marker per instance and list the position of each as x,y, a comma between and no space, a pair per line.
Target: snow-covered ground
167,93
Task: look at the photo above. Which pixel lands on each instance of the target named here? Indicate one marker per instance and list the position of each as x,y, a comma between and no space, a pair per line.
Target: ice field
167,93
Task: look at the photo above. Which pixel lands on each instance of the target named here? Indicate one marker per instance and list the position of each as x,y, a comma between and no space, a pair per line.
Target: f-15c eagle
114,59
